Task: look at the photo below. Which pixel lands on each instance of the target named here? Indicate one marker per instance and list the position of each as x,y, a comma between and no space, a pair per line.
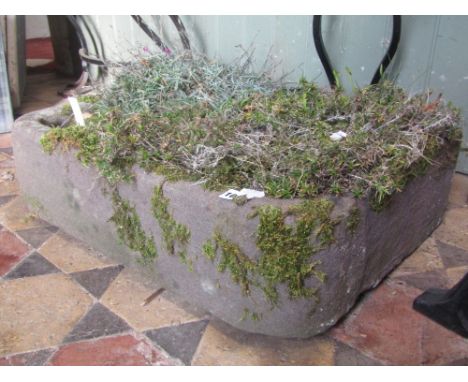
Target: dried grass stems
225,126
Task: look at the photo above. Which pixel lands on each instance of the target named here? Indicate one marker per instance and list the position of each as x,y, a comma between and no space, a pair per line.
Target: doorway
52,61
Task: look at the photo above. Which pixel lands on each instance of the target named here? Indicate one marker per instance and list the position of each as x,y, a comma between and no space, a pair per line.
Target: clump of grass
189,118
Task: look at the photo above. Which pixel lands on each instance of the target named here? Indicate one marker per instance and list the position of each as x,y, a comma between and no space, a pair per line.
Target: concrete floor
61,303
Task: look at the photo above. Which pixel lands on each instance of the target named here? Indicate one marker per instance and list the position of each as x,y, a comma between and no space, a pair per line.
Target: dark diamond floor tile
5,199
458,362
38,235
347,356
36,358
452,256
7,150
179,341
33,265
426,280
98,322
96,281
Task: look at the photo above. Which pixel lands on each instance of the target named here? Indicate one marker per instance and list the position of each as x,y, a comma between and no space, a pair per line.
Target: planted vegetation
226,127
188,118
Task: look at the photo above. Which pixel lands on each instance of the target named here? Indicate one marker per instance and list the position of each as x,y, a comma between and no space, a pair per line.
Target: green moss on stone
287,249
240,266
209,250
353,219
174,234
129,228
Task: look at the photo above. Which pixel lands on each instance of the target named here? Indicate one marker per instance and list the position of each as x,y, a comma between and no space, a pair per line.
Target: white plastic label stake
76,111
250,194
229,194
247,192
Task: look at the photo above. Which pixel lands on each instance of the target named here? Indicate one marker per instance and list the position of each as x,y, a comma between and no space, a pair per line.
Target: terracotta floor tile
125,297
111,351
70,255
38,312
12,250
384,326
5,140
16,215
442,346
459,191
454,229
222,345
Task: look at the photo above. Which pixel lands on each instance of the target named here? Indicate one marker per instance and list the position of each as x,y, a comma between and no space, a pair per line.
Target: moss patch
286,249
240,266
175,235
129,228
353,219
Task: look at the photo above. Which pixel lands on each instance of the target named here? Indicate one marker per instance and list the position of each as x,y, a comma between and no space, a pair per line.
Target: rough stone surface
353,264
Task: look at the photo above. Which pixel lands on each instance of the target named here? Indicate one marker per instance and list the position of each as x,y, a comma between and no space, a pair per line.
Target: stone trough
73,197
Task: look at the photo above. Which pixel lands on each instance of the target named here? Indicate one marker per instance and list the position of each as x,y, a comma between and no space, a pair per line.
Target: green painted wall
432,54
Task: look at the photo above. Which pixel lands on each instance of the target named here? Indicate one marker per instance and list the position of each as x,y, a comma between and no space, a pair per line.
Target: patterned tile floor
62,303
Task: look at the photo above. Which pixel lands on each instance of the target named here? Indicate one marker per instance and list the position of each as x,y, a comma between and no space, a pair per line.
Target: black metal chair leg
448,308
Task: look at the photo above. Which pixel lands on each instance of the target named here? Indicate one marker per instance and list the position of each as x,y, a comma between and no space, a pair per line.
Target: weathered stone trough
73,197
